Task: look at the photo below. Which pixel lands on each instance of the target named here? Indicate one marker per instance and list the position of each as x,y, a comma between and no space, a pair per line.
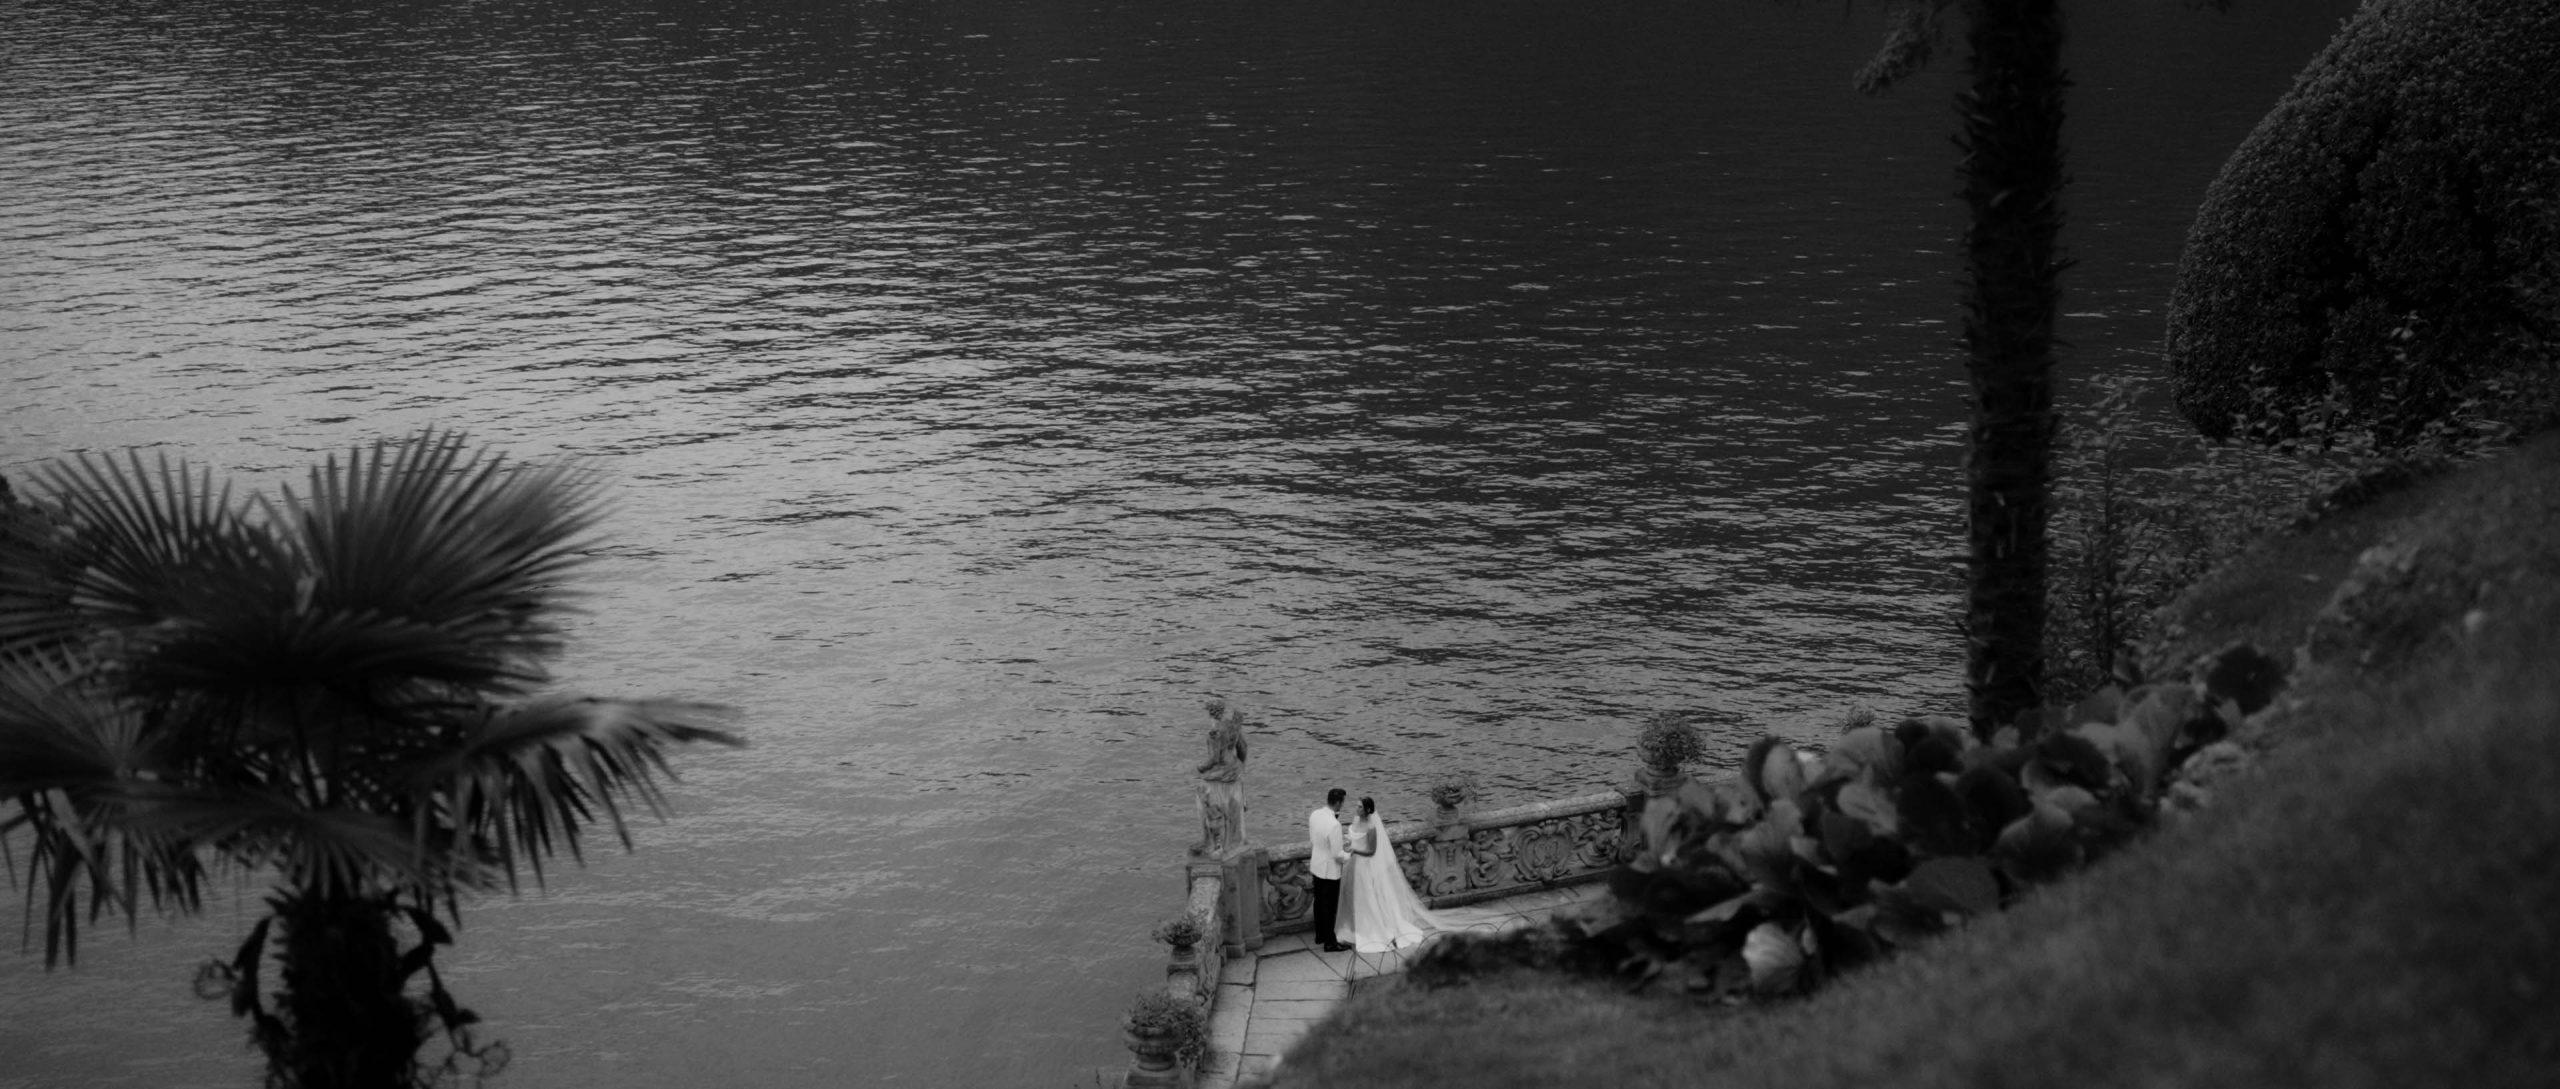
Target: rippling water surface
983,382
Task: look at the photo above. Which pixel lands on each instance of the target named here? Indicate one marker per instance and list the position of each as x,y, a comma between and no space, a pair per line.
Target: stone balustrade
1248,894
1467,857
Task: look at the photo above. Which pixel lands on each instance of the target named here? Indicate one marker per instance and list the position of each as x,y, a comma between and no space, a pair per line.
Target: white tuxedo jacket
1325,852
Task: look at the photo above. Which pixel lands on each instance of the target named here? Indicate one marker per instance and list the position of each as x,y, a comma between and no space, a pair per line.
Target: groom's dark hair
1335,796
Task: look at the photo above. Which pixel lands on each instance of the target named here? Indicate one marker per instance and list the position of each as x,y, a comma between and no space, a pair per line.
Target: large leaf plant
1806,866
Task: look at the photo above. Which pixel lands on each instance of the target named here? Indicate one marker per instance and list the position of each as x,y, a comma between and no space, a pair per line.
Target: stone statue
1221,788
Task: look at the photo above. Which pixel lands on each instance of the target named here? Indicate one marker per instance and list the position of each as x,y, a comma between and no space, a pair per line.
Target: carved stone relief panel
1600,839
1288,892
1488,855
1543,851
1416,859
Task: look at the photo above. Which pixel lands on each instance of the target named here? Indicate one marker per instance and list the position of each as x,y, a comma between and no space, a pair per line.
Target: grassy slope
2382,908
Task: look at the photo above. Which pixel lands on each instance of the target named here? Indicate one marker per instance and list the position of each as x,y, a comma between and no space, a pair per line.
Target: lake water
983,382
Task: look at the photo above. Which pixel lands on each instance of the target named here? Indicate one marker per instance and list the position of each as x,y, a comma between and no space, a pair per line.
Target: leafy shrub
2380,242
1803,868
2132,528
1157,1013
1669,740
1179,930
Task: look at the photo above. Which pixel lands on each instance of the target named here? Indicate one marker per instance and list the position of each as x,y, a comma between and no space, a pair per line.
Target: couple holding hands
1362,899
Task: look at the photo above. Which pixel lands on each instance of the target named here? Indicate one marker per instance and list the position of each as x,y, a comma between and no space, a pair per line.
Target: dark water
984,382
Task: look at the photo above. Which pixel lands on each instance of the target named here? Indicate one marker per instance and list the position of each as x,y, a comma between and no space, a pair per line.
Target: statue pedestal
1238,872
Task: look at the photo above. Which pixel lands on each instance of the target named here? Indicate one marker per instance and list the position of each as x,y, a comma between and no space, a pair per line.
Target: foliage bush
1803,868
1179,930
1157,1013
2382,242
2131,529
1669,740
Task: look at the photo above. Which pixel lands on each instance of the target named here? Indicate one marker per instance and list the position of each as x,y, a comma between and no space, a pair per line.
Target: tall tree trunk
2012,170
348,1023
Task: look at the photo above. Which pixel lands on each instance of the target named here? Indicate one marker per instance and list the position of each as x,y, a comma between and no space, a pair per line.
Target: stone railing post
1651,781
1658,781
1444,855
1195,976
1242,874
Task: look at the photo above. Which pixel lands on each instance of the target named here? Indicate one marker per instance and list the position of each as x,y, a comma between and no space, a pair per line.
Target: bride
1379,910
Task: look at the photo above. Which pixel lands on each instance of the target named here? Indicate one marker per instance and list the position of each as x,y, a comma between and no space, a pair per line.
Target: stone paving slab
1217,1069
1302,968
1290,1009
1276,1040
1277,989
1287,943
1227,1018
1268,1001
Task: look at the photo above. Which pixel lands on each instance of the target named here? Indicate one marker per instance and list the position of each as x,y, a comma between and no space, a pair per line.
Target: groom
1325,857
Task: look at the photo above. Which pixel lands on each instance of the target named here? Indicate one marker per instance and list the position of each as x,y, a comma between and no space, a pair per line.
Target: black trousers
1328,902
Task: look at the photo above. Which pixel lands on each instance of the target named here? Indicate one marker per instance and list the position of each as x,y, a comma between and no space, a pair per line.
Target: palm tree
339,689
2011,135
2013,187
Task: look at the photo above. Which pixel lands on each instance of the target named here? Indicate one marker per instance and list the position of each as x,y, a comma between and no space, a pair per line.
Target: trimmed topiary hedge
2383,241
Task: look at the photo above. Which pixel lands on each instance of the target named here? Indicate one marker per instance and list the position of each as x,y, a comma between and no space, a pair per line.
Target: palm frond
36,565
61,731
426,530
332,852
443,563
76,759
97,847
303,683
1910,43
365,654
530,778
143,545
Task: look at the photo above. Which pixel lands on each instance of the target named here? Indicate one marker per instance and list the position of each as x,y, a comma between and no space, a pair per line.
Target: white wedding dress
1379,911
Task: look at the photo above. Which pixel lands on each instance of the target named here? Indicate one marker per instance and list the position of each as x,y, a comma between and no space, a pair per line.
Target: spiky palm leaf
140,546
75,758
465,548
525,780
417,561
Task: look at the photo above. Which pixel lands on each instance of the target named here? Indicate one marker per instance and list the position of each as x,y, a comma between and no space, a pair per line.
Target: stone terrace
1266,1000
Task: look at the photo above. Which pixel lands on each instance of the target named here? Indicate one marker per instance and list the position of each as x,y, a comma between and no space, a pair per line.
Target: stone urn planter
1667,741
1183,935
1659,780
1160,1029
1155,1065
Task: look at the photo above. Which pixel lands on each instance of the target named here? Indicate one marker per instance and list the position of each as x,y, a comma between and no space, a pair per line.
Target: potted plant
1667,741
1166,1034
1183,933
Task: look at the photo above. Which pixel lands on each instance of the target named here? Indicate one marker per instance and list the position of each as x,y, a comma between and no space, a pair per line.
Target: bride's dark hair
1367,806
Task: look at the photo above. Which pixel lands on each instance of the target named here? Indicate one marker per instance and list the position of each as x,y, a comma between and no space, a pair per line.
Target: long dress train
1379,909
